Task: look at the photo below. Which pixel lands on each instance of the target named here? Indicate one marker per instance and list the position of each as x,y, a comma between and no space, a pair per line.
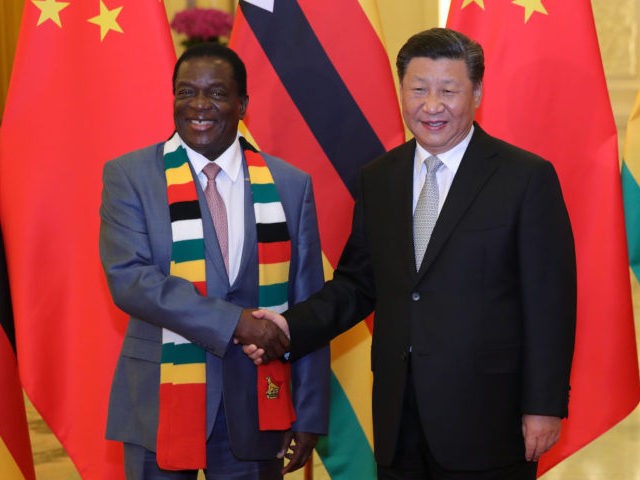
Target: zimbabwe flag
322,98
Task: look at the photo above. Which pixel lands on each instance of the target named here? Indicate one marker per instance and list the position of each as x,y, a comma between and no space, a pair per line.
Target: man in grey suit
149,207
462,245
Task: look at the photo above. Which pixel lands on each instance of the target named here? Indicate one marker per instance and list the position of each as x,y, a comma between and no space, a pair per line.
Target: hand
253,351
266,335
540,434
297,447
276,318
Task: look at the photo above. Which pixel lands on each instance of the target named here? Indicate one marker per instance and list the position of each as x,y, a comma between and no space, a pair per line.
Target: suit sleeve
344,301
311,374
548,288
137,283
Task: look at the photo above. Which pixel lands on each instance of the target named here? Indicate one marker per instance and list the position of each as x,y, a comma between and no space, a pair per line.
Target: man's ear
243,106
477,94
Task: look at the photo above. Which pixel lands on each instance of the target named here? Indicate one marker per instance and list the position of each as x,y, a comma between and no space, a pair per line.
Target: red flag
91,80
544,90
16,462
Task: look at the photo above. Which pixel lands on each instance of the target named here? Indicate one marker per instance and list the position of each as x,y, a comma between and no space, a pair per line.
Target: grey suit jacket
135,248
489,315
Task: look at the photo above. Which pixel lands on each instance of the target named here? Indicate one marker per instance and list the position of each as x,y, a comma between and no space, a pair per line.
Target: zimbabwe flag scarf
181,440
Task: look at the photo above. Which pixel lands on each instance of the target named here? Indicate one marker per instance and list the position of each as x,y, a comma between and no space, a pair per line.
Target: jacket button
415,296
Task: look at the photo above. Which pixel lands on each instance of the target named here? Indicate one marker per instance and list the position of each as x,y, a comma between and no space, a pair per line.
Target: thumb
286,441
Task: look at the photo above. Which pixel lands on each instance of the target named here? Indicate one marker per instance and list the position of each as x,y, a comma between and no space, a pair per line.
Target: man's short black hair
438,43
215,50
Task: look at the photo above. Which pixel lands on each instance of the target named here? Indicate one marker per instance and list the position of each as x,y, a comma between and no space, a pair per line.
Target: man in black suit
473,338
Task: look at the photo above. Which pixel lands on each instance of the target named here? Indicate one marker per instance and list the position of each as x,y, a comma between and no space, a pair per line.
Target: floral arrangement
202,24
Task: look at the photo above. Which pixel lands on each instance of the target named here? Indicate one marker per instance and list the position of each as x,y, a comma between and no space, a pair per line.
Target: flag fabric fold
16,462
91,80
545,90
328,110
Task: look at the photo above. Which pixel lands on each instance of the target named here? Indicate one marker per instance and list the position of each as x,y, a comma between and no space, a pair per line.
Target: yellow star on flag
530,6
469,2
107,20
50,10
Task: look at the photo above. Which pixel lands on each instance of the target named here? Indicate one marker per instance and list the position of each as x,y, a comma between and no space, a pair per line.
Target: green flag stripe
183,353
188,250
265,193
174,159
273,295
358,462
631,192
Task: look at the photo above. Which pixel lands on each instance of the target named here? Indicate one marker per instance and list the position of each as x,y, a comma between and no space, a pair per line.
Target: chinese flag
322,98
545,90
91,80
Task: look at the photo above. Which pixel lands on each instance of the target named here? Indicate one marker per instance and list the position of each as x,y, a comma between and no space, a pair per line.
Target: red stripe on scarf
181,192
183,424
274,252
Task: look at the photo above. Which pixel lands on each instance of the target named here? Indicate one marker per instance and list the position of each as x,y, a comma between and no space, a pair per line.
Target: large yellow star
530,6
107,20
469,2
50,10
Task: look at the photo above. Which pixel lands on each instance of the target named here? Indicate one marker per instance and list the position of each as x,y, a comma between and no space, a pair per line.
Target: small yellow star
107,20
50,10
469,2
530,6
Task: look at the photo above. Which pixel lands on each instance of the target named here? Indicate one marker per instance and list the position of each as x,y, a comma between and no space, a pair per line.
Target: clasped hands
264,335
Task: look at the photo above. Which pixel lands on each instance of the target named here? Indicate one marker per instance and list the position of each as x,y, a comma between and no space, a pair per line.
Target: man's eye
218,94
183,92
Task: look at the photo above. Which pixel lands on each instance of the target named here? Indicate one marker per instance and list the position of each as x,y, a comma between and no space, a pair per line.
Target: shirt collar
451,158
230,161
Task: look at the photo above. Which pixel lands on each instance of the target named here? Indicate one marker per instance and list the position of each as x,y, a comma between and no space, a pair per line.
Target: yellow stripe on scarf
272,273
260,175
179,175
193,270
186,373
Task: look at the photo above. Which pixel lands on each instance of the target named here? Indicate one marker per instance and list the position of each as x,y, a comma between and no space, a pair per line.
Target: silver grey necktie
217,210
426,213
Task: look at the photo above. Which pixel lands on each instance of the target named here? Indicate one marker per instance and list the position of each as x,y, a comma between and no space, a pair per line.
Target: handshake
264,335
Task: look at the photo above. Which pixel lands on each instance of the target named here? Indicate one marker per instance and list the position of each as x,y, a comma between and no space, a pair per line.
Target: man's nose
202,101
432,103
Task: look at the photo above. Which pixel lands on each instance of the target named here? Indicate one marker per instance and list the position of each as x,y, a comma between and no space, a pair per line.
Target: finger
250,349
530,449
258,313
297,459
257,354
286,443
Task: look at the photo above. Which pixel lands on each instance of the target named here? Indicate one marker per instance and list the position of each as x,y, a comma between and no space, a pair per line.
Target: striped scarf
181,440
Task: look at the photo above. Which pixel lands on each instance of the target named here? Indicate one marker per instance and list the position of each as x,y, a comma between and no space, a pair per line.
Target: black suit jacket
489,316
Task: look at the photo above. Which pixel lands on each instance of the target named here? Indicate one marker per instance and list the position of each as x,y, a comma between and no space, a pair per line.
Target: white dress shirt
444,176
230,184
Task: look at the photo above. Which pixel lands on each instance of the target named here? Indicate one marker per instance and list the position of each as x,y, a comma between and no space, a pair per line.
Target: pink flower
202,23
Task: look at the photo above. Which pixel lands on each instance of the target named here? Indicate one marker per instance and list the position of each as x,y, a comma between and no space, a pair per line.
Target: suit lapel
478,164
401,202
250,244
